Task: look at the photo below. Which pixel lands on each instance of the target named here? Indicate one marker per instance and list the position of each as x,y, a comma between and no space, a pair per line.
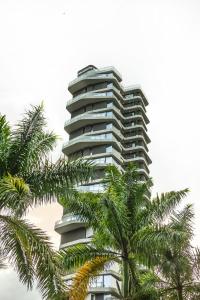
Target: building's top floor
91,75
92,70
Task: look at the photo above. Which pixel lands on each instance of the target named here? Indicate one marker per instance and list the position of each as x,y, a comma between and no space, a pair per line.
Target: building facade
109,126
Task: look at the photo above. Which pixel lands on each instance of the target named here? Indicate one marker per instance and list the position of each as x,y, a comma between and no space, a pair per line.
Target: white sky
154,43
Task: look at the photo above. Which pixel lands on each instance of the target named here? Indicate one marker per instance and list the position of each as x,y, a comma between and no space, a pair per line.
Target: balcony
135,148
132,90
138,159
105,283
113,152
93,77
137,120
68,222
88,119
82,142
136,136
94,188
88,98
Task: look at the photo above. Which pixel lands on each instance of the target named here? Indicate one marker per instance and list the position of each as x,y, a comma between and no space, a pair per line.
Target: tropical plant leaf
29,251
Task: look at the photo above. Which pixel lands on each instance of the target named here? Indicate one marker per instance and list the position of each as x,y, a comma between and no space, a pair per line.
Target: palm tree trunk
133,274
125,278
180,293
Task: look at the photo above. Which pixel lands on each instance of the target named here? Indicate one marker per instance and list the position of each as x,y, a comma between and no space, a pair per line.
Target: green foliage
29,177
139,230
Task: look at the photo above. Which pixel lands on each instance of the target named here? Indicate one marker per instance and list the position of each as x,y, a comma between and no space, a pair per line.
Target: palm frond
148,286
14,195
86,205
182,220
3,263
31,125
37,151
74,257
85,274
4,144
160,207
116,221
55,179
29,251
156,238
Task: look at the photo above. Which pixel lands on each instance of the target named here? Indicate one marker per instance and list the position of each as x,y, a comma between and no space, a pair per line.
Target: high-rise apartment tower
109,126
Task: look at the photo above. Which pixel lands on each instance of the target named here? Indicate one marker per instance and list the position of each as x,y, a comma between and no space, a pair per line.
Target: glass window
107,280
110,104
109,149
108,135
109,126
97,282
109,160
108,114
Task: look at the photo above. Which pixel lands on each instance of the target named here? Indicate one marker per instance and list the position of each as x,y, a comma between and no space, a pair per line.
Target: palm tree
179,265
125,220
28,177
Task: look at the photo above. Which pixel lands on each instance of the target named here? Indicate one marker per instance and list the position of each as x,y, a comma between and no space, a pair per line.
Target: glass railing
103,160
105,75
97,187
102,281
103,94
127,97
101,136
88,116
89,138
69,218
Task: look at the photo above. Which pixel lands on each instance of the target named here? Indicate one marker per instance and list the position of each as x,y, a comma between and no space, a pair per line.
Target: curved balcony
105,283
136,108
92,77
134,118
134,136
115,154
82,142
102,162
134,148
68,222
141,170
105,290
145,160
89,119
134,88
88,98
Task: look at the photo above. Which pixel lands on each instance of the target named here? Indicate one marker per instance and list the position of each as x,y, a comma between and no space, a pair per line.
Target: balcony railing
103,281
69,218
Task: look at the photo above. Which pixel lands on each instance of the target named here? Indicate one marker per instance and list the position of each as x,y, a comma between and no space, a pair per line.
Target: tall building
109,126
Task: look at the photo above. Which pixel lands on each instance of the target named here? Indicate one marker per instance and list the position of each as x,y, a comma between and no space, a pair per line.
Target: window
109,104
109,126
108,114
87,128
109,149
109,160
98,282
101,136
